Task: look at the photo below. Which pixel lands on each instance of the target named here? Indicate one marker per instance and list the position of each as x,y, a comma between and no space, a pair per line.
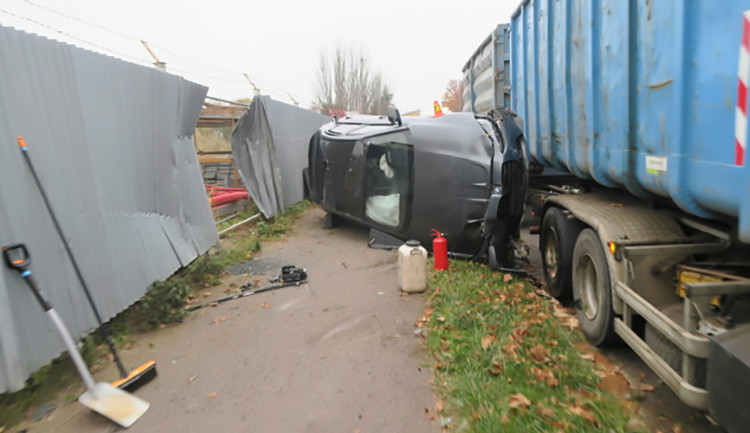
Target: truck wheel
592,292
556,243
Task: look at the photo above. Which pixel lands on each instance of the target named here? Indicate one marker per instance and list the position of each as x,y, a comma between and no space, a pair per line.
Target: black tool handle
86,291
17,257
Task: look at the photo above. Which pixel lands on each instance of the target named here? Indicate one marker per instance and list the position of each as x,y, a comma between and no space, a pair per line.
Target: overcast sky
418,46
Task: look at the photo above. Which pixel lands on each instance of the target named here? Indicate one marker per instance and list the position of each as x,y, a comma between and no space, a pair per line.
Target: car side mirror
393,115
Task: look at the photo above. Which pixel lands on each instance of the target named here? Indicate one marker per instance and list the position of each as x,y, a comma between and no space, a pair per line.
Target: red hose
227,197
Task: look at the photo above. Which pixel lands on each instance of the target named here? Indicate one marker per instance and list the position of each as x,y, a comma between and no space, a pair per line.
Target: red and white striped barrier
743,75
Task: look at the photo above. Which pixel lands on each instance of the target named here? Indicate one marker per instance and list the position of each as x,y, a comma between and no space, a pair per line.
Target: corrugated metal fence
269,146
112,143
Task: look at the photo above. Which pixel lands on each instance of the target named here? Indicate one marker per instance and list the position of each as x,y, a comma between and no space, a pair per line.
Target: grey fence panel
112,144
269,147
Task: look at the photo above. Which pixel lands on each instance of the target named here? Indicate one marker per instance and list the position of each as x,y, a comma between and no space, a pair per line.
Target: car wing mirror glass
393,115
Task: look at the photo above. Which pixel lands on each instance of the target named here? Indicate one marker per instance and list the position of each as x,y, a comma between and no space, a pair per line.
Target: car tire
592,291
499,253
556,243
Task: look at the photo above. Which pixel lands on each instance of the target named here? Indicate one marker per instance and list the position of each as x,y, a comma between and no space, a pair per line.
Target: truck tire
556,243
592,292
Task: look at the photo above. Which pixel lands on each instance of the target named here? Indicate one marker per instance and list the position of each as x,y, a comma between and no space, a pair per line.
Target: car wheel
499,253
556,243
592,291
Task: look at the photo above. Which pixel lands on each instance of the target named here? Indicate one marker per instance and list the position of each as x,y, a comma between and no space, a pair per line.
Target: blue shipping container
637,94
486,76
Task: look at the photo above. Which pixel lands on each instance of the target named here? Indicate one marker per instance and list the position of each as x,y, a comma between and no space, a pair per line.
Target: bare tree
346,83
324,93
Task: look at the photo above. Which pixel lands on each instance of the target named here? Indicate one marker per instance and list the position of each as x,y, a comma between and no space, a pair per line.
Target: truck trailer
636,111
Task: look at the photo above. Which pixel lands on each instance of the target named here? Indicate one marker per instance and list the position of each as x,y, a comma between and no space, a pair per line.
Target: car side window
388,167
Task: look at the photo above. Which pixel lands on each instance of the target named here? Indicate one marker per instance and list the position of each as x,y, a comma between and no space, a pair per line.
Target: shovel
113,403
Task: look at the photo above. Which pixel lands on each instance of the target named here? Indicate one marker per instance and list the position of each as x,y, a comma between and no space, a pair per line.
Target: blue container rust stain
638,95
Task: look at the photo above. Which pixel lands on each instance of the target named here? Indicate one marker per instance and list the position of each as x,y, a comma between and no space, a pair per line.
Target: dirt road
338,354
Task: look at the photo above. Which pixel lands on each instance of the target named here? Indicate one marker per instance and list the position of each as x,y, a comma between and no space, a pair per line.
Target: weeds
164,301
504,363
45,382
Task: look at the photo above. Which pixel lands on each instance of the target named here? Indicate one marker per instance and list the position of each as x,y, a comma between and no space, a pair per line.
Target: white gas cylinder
412,267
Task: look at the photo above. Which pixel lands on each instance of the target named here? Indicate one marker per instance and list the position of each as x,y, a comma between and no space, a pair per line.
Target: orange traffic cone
438,110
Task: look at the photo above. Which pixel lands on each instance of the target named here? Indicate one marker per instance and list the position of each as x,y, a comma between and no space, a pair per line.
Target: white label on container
656,165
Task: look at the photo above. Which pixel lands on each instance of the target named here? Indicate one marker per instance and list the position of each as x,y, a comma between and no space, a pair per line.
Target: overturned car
461,174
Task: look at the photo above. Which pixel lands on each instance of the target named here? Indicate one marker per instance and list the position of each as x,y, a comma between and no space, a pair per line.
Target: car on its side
461,174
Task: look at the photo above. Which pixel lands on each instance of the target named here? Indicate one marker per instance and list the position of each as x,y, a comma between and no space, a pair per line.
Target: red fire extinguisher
439,250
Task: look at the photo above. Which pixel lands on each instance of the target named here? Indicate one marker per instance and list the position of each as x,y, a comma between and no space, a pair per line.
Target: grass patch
505,363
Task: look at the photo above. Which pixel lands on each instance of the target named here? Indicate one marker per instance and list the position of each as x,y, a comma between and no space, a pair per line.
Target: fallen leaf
545,411
519,333
206,294
212,395
647,387
496,368
583,413
213,304
676,429
587,357
518,400
510,348
507,278
397,336
546,376
439,406
255,259
505,419
486,341
265,305
538,352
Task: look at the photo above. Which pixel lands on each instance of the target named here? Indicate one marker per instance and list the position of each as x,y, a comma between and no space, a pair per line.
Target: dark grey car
461,174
